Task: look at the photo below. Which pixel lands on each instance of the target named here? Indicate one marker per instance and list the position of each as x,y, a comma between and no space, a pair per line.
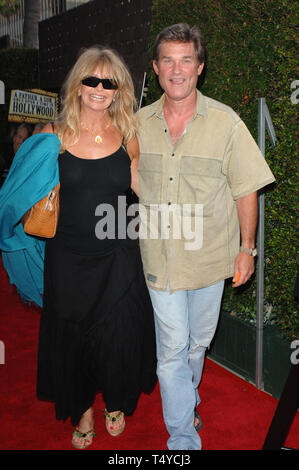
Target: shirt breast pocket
150,178
200,182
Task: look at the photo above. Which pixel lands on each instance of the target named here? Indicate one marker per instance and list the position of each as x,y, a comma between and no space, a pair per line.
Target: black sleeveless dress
97,328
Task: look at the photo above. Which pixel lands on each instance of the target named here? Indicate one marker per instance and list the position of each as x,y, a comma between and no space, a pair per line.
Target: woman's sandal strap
112,418
81,434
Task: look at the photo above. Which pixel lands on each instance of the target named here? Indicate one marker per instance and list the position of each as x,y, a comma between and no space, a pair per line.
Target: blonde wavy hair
121,111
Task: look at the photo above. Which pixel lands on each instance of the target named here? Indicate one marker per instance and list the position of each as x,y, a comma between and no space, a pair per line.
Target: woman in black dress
96,331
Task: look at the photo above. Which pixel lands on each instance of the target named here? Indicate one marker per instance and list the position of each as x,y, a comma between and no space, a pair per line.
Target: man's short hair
181,32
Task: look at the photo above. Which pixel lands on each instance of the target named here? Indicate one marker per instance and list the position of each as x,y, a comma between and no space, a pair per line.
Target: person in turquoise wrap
97,329
34,172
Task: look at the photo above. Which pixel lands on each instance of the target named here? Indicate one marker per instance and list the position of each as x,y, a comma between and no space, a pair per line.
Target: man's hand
244,268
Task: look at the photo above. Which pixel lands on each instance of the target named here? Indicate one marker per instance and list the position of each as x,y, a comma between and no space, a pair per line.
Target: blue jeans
185,324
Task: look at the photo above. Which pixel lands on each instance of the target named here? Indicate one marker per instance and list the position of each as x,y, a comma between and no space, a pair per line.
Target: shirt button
171,178
169,203
172,154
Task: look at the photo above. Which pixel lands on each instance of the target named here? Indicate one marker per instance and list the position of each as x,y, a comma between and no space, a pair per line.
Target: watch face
254,252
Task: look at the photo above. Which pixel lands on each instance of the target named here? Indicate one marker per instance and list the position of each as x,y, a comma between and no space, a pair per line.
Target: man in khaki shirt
199,170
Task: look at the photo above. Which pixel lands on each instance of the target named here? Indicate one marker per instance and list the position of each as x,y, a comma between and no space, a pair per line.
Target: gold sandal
112,423
85,437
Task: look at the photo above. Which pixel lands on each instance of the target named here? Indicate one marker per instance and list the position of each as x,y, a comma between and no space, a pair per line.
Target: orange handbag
41,220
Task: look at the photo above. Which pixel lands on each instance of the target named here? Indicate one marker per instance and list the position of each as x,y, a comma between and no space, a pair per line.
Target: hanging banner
32,106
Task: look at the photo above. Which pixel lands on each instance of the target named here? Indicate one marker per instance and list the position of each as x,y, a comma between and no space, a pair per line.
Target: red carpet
235,415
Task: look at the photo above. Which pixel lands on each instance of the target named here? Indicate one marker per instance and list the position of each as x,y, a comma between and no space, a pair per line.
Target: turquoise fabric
34,172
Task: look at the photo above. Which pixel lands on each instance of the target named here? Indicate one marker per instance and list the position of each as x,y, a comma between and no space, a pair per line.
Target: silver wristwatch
249,251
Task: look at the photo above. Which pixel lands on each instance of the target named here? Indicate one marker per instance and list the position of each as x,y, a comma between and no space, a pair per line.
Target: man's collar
157,107
201,106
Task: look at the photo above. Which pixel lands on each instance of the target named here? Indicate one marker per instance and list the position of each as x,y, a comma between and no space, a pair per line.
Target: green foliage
9,7
18,70
251,54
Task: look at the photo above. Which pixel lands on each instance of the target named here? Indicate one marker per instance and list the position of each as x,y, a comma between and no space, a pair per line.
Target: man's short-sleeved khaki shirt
215,162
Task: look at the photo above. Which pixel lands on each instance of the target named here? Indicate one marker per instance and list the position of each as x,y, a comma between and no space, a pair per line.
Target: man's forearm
247,207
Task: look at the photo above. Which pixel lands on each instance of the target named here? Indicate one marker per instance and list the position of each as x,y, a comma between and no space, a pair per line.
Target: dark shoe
199,425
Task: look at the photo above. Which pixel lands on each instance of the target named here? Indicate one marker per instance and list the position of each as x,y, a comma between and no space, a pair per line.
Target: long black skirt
96,330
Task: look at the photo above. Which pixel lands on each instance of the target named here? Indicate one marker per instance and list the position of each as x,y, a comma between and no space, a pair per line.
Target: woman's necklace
97,137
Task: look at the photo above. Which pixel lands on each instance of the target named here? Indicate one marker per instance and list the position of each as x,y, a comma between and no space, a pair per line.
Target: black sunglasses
93,82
